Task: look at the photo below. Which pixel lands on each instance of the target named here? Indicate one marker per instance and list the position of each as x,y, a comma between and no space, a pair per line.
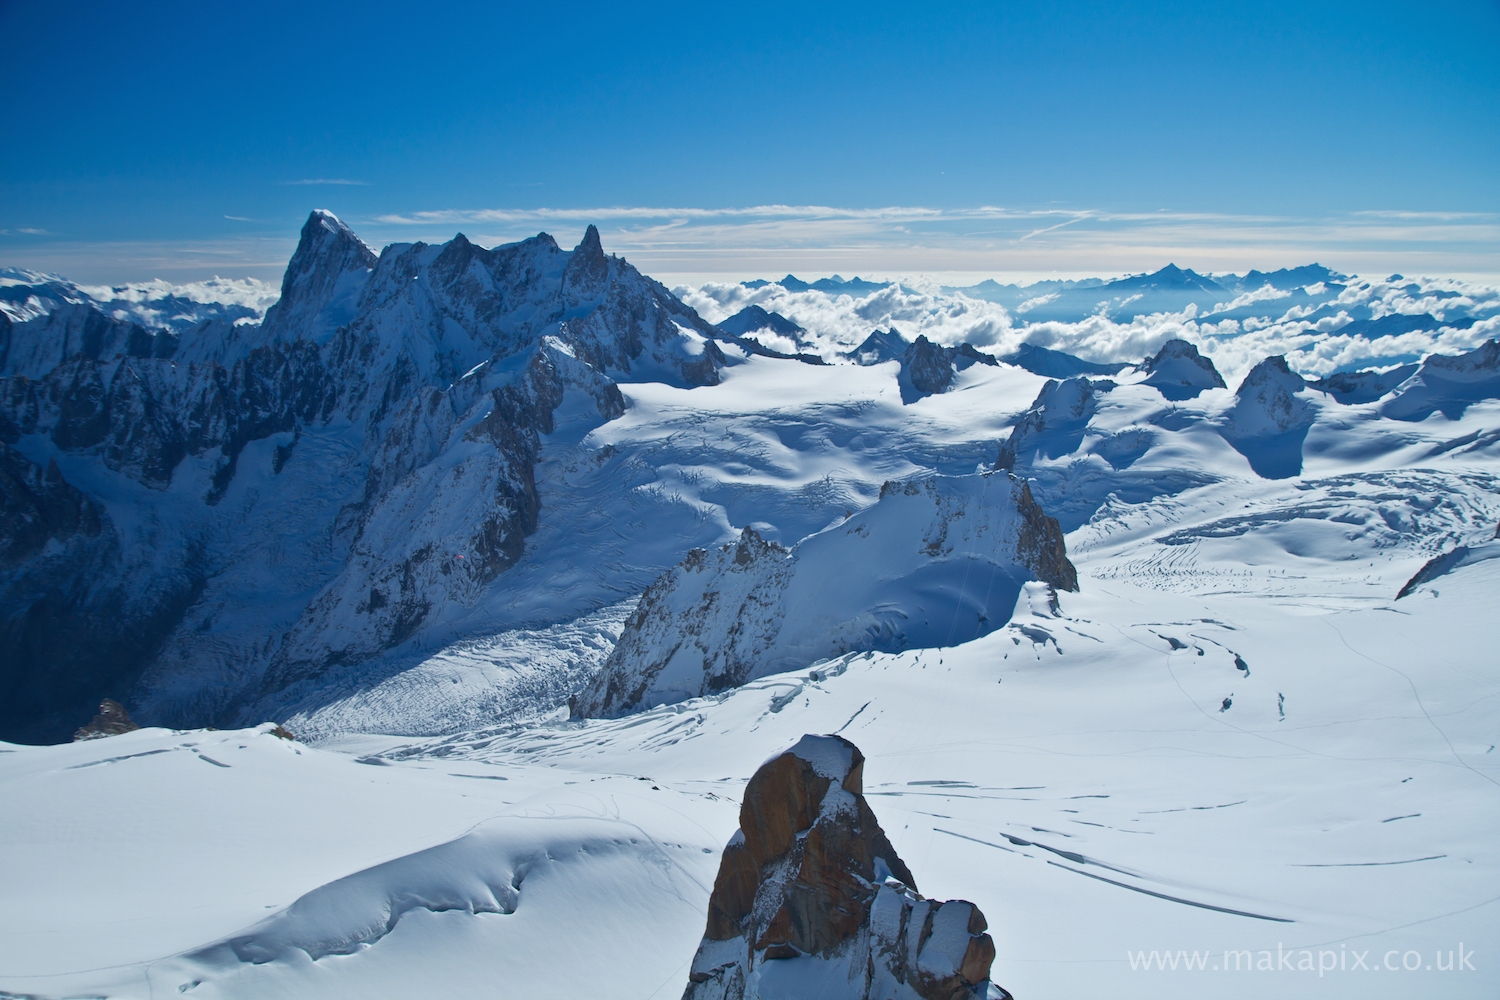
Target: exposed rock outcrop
935,562
1179,372
1447,562
38,506
321,288
928,368
1054,424
812,900
1266,401
112,720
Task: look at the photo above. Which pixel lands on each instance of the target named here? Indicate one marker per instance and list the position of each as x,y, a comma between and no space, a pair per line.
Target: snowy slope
1140,771
934,562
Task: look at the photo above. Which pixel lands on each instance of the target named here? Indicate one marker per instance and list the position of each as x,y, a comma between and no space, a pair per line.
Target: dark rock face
38,506
748,578
1366,386
112,720
1179,372
322,284
811,887
69,625
927,368
1041,545
1057,364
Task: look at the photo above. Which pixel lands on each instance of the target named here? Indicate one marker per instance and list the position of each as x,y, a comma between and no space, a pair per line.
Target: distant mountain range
1171,289
834,285
1310,292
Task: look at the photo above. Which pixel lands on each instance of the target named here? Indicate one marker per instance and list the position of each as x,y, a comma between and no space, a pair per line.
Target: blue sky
183,139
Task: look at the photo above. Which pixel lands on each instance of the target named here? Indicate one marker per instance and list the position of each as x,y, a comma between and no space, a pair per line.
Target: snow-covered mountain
436,491
264,502
934,562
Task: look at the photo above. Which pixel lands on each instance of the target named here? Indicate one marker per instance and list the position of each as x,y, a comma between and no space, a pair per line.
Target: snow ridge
937,561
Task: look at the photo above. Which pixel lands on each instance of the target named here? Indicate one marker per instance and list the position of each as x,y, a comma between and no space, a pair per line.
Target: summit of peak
590,244
322,282
588,270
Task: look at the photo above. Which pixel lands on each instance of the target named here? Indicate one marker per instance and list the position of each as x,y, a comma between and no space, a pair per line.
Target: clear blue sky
196,127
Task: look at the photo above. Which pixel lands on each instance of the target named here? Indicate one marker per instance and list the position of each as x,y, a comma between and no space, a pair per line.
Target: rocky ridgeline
926,368
112,720
389,407
811,899
935,562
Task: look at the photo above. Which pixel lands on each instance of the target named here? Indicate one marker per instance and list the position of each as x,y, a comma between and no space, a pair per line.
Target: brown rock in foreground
112,720
811,899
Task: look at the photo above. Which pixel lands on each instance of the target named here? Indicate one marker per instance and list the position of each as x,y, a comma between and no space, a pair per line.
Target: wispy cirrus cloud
307,181
24,231
692,245
902,240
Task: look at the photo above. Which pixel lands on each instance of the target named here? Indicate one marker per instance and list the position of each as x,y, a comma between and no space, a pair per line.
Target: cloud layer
1314,347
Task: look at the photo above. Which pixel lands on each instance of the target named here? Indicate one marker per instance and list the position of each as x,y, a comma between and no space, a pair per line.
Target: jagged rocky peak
587,272
1055,421
1270,419
811,899
937,561
432,371
112,720
928,368
1266,401
1179,372
754,319
880,346
321,288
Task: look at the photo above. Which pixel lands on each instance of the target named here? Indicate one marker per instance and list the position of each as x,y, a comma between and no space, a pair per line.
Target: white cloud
327,180
248,292
837,323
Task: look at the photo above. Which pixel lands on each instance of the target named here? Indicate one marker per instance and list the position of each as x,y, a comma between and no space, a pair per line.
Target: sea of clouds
1315,347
